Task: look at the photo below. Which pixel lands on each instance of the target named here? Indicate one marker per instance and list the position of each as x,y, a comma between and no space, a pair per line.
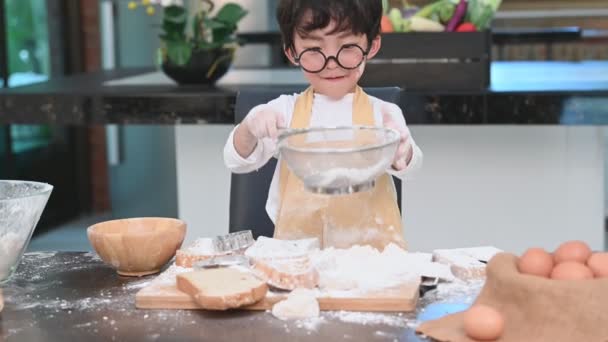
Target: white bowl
21,205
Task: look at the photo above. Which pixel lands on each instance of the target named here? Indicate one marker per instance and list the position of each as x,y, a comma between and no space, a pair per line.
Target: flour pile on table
363,268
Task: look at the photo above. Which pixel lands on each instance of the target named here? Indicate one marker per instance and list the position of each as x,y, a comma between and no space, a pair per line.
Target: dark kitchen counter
555,93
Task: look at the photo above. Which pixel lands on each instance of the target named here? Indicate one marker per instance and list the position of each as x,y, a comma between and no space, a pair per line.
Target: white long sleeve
326,112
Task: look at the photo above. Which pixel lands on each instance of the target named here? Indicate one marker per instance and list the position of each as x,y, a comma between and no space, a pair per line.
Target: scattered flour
300,304
310,324
92,255
134,285
368,318
60,304
167,278
202,246
461,291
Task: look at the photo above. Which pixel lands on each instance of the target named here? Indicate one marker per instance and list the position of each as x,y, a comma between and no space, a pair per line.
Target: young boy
330,40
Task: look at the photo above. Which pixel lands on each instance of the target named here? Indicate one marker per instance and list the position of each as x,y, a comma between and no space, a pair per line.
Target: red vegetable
466,27
386,25
458,17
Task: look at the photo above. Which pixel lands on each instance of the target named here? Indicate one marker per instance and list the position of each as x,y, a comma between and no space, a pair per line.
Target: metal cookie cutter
233,242
223,261
428,284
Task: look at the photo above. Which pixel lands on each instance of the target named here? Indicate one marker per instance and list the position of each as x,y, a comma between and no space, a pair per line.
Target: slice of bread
288,273
285,264
270,248
222,288
462,265
201,249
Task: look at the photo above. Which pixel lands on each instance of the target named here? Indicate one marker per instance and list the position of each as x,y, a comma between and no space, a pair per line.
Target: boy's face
334,80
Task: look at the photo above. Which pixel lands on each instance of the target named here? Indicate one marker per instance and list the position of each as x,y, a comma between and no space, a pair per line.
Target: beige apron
364,218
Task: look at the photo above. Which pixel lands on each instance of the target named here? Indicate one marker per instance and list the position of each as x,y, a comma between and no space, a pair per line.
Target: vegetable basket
434,45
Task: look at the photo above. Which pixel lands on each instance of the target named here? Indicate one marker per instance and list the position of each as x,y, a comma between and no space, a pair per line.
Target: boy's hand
264,123
405,151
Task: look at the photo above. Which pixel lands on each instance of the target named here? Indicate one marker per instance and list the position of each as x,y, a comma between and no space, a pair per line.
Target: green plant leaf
231,14
176,14
220,30
203,45
212,23
222,34
174,23
178,52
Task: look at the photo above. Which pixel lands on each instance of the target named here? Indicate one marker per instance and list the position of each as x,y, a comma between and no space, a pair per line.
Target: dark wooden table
75,297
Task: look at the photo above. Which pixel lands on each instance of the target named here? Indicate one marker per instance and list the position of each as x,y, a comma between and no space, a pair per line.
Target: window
28,62
28,41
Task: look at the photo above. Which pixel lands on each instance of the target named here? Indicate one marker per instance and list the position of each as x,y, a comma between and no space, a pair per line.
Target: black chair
249,192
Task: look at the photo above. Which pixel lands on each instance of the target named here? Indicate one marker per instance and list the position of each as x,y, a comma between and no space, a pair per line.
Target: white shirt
326,112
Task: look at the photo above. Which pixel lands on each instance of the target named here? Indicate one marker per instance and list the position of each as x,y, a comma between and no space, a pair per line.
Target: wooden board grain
403,298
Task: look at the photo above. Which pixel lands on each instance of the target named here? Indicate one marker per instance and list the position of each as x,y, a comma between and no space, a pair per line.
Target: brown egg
577,251
598,263
536,261
483,323
571,270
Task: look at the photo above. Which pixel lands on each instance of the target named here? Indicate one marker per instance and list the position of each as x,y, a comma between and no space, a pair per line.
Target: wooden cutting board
403,298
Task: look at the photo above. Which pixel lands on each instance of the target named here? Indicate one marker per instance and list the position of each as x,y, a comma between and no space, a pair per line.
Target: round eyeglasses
349,57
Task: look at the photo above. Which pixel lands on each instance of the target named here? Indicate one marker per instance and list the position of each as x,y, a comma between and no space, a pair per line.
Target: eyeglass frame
334,57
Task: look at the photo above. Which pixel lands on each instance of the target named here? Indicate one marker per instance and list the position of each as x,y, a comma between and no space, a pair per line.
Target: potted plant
198,42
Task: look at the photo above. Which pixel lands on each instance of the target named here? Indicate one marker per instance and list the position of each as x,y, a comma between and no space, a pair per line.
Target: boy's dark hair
358,16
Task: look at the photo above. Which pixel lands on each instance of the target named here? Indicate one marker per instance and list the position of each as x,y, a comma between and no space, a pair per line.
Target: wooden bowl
137,246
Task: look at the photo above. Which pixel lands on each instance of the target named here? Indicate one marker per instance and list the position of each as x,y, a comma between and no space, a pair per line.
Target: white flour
368,318
360,318
365,269
300,304
453,257
343,177
463,292
481,253
310,323
59,304
269,248
202,246
168,277
134,285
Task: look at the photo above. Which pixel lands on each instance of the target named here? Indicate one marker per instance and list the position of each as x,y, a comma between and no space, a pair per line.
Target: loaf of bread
222,288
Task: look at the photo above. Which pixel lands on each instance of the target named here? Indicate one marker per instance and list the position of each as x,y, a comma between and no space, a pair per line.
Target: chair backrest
249,192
